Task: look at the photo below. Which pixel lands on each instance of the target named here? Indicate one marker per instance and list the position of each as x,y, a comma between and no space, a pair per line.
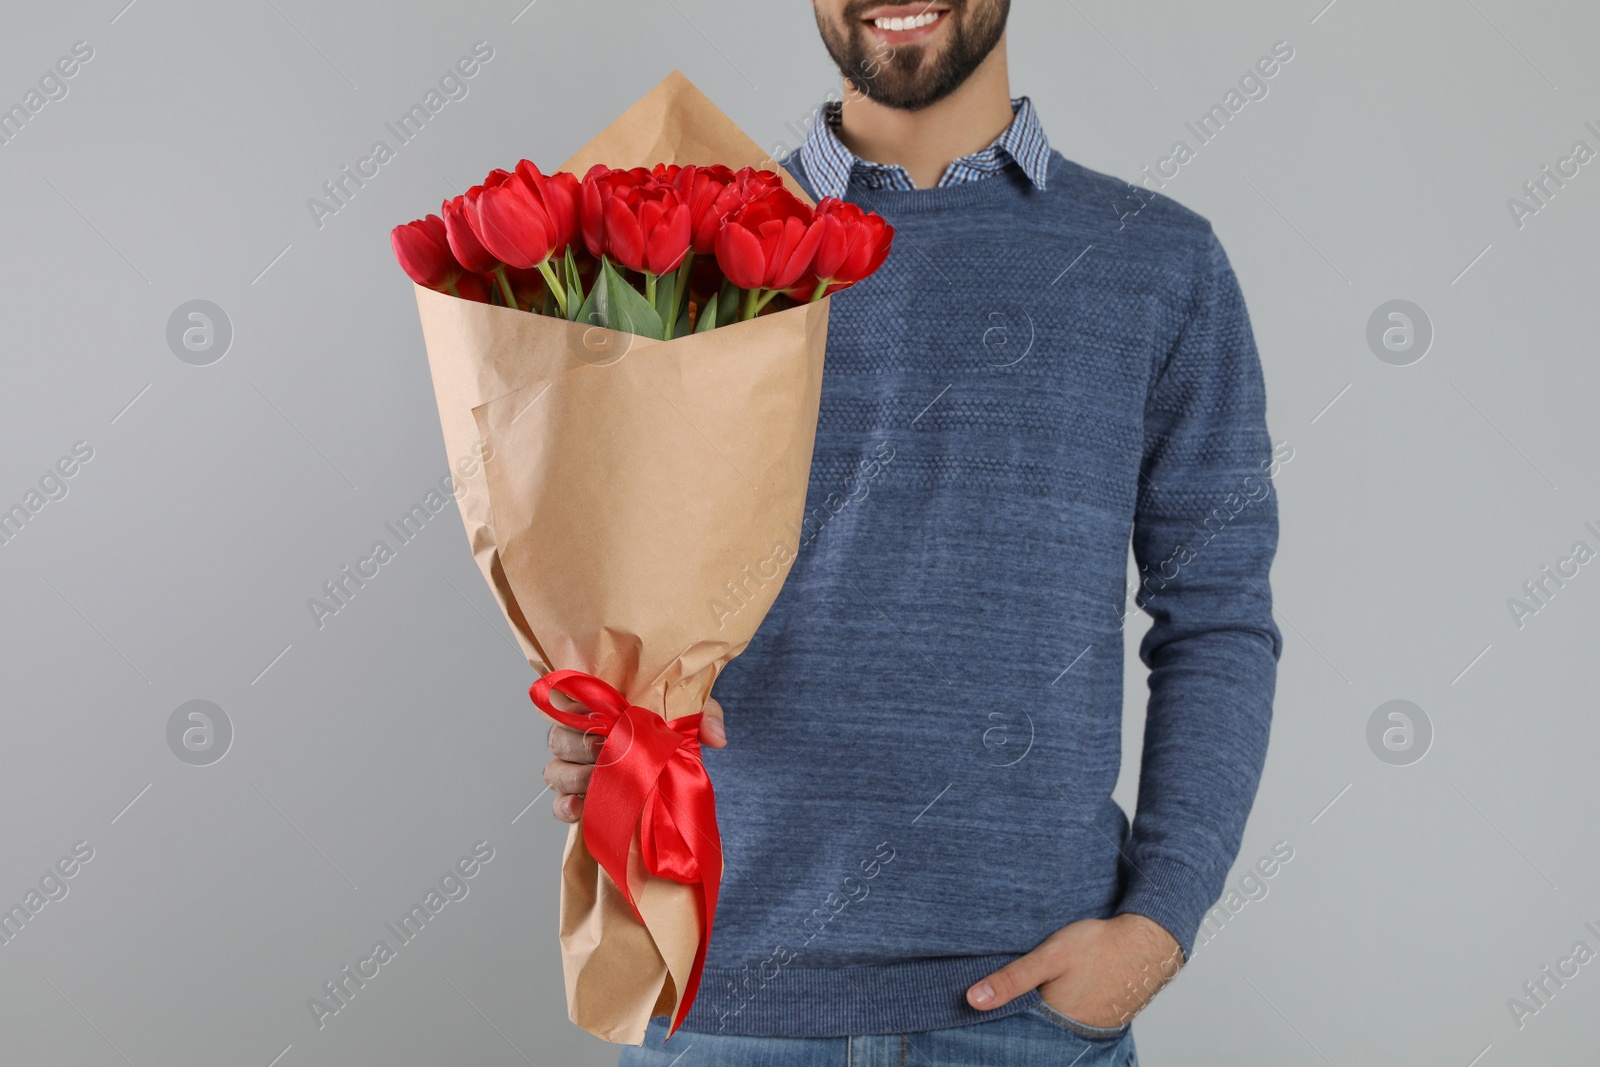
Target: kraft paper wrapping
634,512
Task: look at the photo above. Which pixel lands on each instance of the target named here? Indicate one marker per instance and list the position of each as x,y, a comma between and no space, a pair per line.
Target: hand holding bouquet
675,296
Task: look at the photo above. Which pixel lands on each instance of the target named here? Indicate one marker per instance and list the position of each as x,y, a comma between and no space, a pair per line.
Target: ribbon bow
648,779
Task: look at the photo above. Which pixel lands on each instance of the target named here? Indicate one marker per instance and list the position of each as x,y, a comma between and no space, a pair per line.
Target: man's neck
925,142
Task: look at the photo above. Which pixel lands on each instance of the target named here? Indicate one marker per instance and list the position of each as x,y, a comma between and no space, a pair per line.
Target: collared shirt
832,166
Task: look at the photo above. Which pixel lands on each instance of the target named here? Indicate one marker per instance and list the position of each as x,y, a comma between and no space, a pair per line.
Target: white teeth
915,22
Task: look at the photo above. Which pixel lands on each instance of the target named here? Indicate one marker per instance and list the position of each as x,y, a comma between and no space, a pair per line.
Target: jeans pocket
1067,1022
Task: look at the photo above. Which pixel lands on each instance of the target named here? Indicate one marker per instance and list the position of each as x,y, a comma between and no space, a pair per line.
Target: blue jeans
1037,1037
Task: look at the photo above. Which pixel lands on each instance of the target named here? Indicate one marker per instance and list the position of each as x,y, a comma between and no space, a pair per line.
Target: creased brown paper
634,513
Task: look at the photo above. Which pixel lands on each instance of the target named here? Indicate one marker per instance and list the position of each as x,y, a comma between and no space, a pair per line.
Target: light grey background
370,754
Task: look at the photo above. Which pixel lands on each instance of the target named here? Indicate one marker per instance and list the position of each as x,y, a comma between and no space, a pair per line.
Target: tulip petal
423,253
668,241
463,242
740,255
624,236
797,256
512,226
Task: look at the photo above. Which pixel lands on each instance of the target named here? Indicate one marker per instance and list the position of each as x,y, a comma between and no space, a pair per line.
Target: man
923,860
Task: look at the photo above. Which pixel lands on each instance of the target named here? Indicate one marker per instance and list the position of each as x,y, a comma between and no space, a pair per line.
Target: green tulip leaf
708,315
621,307
589,312
666,294
574,284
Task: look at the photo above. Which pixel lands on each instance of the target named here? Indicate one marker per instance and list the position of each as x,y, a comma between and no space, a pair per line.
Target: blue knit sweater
925,733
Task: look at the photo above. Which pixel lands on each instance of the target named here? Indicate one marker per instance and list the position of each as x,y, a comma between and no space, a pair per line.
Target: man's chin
911,86
902,98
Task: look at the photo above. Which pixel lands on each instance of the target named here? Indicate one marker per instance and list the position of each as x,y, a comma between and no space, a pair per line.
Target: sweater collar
832,166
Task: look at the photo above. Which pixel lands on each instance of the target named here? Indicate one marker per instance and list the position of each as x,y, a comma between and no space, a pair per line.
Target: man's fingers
566,777
574,746
568,809
712,730
1010,982
561,702
575,753
578,747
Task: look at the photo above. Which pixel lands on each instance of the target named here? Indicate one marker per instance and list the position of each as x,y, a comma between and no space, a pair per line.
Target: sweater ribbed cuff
1172,894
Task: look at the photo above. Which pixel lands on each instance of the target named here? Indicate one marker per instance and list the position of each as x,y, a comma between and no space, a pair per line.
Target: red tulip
705,217
701,189
596,190
635,218
648,231
854,244
424,253
565,189
469,199
624,240
769,242
469,251
738,189
591,209
750,184
558,195
496,177
512,224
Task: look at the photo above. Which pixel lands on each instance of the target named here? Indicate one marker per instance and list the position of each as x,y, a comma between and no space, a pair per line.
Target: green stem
505,285
821,288
452,287
650,289
749,311
575,293
683,289
766,299
727,301
559,290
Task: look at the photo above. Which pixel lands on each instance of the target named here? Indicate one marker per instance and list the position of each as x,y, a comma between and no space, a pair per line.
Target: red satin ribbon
647,779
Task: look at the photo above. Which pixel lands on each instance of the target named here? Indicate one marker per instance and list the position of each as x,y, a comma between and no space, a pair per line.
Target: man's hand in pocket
1101,972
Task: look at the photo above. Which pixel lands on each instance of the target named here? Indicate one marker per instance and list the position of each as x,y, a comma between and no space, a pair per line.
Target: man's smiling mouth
904,23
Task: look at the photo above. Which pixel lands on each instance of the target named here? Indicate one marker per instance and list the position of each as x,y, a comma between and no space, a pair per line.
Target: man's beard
905,78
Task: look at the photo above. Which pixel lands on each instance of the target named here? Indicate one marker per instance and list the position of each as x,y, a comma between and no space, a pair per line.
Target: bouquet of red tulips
658,252
628,367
